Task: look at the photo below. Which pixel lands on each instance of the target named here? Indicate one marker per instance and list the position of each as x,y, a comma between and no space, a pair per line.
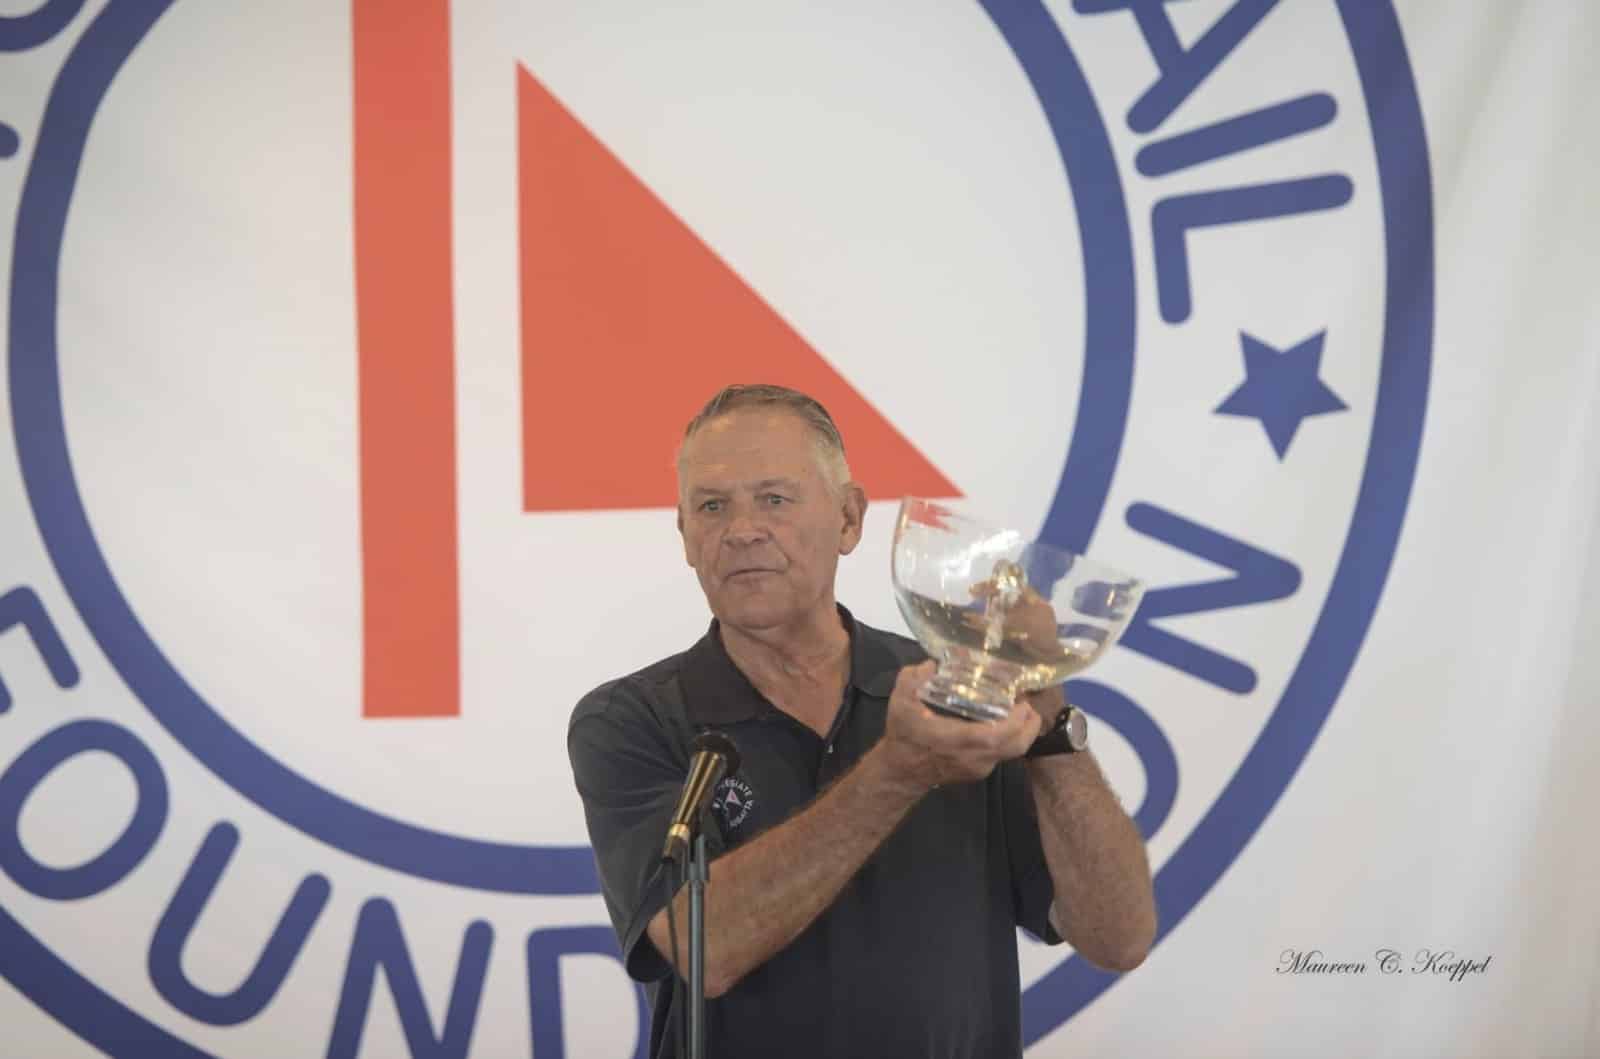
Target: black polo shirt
917,956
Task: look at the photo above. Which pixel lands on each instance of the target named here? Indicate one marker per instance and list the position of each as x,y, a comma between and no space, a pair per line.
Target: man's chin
756,614
756,619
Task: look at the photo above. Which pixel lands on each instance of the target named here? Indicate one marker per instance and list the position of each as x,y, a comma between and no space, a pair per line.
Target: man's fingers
971,748
1027,731
910,679
1016,732
957,731
990,738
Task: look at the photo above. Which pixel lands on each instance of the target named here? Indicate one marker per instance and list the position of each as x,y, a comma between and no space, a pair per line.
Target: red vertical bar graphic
405,337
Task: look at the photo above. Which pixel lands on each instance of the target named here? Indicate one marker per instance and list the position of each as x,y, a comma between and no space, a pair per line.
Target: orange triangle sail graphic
630,323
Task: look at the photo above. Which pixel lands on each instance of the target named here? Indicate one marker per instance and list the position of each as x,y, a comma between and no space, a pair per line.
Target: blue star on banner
1281,388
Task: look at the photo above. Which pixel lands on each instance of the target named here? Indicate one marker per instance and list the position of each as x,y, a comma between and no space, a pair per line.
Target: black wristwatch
1067,735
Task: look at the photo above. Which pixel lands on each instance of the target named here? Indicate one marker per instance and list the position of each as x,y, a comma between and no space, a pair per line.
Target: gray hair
829,444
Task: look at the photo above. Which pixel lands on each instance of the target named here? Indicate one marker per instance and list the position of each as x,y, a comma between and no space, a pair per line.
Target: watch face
1077,728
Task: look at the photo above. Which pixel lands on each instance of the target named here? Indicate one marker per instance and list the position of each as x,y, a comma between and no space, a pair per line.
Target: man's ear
854,505
685,540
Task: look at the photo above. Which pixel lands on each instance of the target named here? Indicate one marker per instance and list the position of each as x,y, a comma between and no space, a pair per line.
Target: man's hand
1047,704
1027,620
922,749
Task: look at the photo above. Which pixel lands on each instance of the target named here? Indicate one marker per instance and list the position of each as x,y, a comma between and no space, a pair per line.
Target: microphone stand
699,873
714,756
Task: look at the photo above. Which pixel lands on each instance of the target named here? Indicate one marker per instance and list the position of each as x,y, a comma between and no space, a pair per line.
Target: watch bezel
1075,728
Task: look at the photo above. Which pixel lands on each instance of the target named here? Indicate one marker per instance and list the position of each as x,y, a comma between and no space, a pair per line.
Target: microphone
715,756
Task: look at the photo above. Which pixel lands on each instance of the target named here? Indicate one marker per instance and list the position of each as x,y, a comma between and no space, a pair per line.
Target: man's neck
801,669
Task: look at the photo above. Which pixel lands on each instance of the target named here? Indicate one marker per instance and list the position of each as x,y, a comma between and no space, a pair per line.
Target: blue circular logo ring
39,421
1405,187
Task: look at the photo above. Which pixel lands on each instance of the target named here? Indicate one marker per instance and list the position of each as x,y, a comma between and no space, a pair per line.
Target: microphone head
722,746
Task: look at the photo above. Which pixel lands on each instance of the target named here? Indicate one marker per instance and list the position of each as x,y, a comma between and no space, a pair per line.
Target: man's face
760,525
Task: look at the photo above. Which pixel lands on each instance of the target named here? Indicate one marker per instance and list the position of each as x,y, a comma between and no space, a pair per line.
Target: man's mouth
750,571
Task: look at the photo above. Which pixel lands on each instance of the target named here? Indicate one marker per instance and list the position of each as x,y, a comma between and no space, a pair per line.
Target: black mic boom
715,756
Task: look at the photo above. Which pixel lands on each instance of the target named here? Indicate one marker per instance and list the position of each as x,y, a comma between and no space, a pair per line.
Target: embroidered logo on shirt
733,801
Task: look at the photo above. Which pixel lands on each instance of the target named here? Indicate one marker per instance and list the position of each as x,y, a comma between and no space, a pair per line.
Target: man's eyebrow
788,484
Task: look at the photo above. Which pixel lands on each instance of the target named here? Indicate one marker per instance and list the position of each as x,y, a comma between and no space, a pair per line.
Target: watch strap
1055,739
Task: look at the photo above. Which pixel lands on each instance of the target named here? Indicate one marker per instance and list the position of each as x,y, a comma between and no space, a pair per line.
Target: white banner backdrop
345,348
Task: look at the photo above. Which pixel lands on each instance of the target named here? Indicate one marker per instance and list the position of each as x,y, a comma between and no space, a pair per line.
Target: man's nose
746,526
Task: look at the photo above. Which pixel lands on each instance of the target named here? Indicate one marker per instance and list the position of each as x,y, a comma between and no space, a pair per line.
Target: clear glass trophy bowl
1002,614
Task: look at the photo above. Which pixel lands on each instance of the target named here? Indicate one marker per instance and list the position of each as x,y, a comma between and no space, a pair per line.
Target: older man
872,858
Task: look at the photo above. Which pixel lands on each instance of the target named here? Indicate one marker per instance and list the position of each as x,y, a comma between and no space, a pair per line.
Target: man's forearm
1097,862
761,896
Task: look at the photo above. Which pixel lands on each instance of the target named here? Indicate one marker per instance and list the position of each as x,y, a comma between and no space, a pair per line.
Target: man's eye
774,500
711,506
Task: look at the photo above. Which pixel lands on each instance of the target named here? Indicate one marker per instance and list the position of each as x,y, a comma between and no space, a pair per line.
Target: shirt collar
716,692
